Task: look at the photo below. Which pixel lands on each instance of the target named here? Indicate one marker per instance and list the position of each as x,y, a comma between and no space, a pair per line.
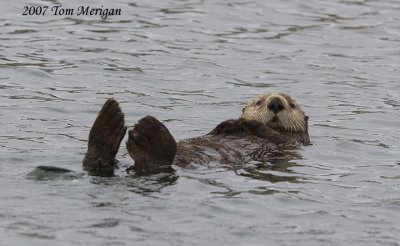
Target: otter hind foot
105,137
151,146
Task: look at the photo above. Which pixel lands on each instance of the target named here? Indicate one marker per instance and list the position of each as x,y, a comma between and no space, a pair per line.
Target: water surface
193,64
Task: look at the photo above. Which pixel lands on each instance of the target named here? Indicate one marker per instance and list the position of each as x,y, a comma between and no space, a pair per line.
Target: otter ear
306,118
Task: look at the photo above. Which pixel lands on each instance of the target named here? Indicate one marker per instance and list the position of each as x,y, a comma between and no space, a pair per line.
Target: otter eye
292,105
306,118
258,103
243,109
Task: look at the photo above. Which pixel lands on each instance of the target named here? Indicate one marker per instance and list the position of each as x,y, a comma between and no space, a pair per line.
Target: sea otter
269,124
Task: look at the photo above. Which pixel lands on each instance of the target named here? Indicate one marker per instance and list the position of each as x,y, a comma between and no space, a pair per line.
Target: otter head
278,111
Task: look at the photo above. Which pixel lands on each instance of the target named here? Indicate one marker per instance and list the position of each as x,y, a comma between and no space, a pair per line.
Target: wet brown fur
257,135
105,137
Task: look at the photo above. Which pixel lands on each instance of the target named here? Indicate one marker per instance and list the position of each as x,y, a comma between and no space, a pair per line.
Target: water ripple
193,64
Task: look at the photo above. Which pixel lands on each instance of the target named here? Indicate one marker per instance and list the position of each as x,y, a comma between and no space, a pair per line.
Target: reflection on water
193,64
278,170
139,184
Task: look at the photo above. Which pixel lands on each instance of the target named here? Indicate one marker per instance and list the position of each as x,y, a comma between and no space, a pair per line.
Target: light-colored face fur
278,111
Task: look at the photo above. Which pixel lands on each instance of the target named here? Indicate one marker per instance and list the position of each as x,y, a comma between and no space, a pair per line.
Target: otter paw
226,127
105,138
151,146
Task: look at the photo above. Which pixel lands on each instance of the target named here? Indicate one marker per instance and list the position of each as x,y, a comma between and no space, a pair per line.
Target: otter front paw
105,137
151,145
227,127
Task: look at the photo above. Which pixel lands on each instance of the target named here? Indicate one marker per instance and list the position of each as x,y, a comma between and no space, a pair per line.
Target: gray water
193,64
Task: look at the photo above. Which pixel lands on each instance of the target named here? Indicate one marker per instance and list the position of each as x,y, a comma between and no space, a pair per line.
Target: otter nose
275,105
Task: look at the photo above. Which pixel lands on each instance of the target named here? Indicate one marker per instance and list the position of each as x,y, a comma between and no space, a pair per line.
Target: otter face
278,111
